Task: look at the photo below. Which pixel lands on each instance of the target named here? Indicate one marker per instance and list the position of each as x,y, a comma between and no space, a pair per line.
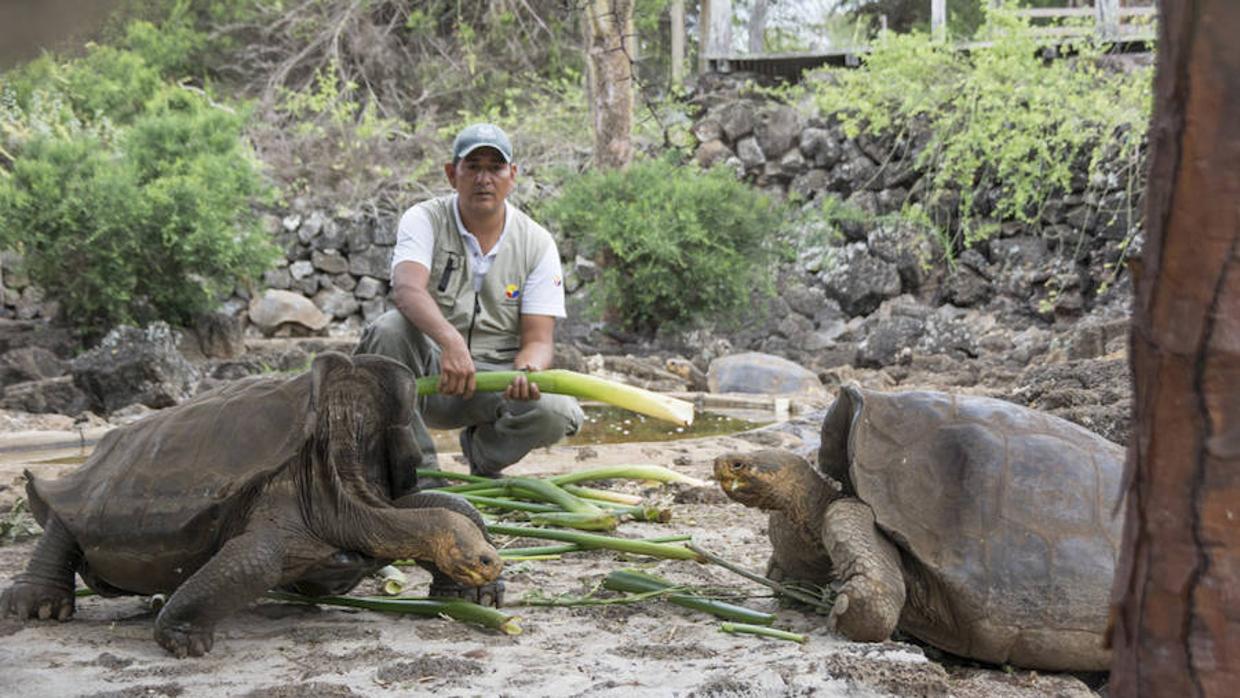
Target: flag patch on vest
512,291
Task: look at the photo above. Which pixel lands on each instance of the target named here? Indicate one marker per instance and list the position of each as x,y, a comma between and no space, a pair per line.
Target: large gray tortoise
303,483
981,527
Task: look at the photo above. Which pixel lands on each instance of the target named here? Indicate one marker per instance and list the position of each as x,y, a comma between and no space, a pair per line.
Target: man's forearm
535,356
420,309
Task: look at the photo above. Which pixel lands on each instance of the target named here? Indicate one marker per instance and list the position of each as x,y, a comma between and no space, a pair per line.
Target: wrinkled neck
806,495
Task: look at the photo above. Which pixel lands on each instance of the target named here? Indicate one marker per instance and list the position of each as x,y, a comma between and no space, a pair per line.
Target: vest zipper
469,338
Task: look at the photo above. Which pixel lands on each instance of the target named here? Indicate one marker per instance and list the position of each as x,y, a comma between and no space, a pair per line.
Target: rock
753,372
374,261
29,364
336,302
329,261
737,120
15,334
911,249
889,341
707,130
300,269
332,237
132,365
358,238
311,227
810,184
291,222
276,308
750,153
819,147
59,395
777,130
965,287
710,153
277,278
219,335
858,281
344,282
368,287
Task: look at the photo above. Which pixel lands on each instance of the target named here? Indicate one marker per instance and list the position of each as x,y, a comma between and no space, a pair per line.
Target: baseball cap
477,136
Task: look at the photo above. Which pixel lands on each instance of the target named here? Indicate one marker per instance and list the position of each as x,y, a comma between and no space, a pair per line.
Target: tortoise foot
861,616
33,599
490,594
183,639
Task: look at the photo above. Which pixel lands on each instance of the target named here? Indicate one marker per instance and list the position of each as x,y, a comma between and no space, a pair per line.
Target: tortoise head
461,551
768,479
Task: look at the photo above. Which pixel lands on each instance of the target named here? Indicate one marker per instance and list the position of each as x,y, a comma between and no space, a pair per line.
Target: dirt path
649,649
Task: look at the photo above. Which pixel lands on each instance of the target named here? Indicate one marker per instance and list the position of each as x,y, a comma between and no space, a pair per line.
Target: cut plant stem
601,495
456,609
547,491
446,475
633,581
764,631
779,588
592,541
583,386
656,473
513,504
584,521
574,548
394,580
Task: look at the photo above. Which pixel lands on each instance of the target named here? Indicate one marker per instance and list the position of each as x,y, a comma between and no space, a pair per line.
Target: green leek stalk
634,582
497,503
574,548
549,492
456,609
591,541
446,475
601,495
655,473
746,628
583,386
579,520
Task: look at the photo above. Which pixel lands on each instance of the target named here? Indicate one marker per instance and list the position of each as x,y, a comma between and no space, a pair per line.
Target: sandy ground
647,649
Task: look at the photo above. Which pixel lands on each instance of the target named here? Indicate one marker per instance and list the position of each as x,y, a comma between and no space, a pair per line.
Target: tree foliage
132,198
682,244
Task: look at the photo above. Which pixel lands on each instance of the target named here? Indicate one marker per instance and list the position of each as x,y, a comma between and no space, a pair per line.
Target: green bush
131,199
678,243
998,116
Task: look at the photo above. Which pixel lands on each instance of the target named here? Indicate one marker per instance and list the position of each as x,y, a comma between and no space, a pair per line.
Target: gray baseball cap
478,136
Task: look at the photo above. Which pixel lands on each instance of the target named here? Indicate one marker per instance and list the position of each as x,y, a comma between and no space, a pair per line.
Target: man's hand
522,389
457,374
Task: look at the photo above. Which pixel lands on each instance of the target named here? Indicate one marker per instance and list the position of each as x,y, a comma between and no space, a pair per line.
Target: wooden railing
1111,21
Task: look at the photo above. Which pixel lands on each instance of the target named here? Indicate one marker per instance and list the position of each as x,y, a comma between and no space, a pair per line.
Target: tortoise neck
807,494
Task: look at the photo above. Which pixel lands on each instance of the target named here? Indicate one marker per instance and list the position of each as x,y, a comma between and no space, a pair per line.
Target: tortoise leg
872,593
243,568
490,594
45,589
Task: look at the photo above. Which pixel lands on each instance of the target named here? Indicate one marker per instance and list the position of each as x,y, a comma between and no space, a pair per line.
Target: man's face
483,180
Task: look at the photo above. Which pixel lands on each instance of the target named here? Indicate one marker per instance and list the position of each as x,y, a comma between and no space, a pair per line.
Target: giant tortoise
978,526
302,482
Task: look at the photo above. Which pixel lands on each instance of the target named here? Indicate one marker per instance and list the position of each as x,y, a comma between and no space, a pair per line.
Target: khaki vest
489,320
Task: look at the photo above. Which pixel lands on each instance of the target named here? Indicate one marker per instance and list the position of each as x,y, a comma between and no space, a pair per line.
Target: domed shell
1011,512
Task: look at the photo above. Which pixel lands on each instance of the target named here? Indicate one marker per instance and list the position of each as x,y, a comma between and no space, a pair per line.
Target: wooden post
757,27
938,19
1107,18
716,27
677,11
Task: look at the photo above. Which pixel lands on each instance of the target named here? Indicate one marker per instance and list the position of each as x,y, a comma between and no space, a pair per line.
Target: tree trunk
677,12
757,27
609,24
1177,615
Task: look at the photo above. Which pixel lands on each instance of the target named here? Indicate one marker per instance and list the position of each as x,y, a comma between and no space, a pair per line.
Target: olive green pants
497,432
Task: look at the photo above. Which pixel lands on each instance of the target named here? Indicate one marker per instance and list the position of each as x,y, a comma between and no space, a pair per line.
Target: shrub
131,199
678,243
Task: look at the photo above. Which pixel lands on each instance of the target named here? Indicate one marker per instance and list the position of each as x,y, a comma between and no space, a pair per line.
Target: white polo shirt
543,292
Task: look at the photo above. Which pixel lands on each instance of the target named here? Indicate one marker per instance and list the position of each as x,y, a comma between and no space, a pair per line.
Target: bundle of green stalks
561,501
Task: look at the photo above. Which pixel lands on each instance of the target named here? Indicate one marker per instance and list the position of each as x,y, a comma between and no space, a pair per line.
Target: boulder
29,364
777,129
135,365
753,372
58,395
336,302
857,280
275,308
219,335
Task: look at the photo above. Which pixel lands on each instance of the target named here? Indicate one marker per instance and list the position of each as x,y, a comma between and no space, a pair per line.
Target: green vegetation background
134,173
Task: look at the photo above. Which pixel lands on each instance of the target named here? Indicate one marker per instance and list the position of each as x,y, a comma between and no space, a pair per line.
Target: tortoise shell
158,497
1010,514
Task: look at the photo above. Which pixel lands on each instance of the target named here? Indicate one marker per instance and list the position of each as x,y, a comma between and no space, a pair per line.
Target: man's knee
559,416
393,336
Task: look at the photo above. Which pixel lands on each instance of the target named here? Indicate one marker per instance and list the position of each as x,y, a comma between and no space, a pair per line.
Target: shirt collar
472,242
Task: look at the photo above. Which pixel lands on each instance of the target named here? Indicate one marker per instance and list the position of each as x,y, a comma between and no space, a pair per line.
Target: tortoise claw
184,640
30,599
